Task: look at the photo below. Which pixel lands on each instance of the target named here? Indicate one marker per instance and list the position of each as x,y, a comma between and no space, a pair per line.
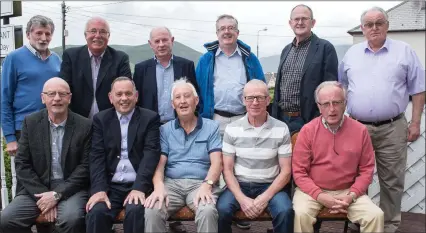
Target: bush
8,170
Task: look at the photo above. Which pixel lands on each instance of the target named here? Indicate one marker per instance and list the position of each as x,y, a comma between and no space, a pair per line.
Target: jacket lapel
177,69
151,73
45,129
87,67
69,131
313,48
133,129
284,57
105,64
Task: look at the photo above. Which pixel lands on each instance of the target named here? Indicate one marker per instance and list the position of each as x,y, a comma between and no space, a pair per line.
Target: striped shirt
256,152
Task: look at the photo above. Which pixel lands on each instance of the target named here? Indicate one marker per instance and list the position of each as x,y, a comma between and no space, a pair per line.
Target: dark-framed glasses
259,98
303,19
229,28
334,103
378,24
52,94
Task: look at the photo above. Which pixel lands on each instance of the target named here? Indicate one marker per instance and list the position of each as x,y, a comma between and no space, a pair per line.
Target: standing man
380,74
90,69
125,153
52,166
154,77
304,64
24,73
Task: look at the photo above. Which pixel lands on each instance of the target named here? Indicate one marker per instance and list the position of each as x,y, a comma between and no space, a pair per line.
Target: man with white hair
189,167
380,74
333,164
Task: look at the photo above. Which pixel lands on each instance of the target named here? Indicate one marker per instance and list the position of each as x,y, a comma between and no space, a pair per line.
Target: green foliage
8,170
271,94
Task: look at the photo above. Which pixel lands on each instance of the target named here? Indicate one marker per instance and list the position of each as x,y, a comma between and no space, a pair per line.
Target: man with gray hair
337,174
380,74
23,73
189,167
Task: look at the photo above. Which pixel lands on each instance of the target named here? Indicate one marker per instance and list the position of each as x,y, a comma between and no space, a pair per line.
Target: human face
161,43
123,96
301,22
227,32
256,100
97,36
331,103
375,27
184,101
56,96
40,37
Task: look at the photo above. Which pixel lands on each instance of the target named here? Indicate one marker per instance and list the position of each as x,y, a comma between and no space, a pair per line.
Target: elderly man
380,74
257,164
90,69
189,167
52,166
24,72
305,63
124,155
337,174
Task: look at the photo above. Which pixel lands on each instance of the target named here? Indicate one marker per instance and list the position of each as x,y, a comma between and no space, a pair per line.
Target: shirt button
118,157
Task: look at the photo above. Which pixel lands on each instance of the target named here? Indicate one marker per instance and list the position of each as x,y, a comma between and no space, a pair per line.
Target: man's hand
261,202
326,200
96,198
413,131
11,148
159,195
248,207
135,197
51,215
46,201
204,194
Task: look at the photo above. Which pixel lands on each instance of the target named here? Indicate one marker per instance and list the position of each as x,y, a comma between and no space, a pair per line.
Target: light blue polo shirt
188,155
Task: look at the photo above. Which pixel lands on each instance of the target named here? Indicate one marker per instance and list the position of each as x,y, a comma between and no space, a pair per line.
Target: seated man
189,167
52,166
257,164
125,153
333,164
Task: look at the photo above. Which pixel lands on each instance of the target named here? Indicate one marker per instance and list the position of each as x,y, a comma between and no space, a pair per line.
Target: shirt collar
237,50
158,61
36,53
91,54
54,125
198,126
327,126
303,42
384,46
246,124
129,115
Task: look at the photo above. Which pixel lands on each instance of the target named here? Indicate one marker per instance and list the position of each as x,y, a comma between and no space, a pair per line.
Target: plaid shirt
292,76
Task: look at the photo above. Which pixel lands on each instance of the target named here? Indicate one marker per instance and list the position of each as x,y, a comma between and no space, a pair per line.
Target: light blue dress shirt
165,79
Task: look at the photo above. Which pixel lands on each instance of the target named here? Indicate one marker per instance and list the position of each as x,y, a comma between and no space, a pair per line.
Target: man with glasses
305,63
380,74
52,166
333,164
90,69
256,142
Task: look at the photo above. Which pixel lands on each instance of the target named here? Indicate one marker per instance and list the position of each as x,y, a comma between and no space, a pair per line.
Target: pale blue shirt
165,79
124,173
57,132
229,80
95,64
379,83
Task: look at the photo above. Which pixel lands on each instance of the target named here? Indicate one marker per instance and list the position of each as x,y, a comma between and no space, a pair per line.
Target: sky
193,23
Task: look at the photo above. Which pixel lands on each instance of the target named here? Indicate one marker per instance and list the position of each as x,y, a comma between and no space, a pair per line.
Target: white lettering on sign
7,40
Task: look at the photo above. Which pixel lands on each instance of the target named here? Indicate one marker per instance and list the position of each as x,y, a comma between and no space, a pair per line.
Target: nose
43,36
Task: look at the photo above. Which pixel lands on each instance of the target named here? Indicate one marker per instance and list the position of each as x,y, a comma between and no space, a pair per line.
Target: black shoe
243,224
177,227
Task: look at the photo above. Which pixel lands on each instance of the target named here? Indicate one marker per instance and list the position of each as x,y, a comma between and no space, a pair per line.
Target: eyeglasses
378,24
230,28
52,94
303,19
259,98
334,103
102,32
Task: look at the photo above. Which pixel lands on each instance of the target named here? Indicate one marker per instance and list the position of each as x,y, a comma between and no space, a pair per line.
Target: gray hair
257,83
96,18
156,28
312,13
225,16
41,21
182,82
375,8
124,78
327,84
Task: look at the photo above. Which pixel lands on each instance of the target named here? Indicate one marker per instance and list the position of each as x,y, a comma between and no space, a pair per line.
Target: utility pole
63,25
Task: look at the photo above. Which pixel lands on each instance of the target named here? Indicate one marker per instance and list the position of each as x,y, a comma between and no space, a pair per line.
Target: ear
313,23
110,97
42,98
137,96
173,39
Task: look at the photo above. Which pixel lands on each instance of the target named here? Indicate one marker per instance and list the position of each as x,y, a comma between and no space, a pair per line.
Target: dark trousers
294,123
100,219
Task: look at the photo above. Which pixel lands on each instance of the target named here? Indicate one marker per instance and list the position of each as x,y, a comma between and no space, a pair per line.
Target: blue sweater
22,78
205,70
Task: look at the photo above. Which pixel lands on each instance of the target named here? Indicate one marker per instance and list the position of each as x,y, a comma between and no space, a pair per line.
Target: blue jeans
294,123
280,207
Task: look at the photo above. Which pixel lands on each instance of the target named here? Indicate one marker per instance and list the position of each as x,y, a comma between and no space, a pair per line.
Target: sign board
7,39
6,8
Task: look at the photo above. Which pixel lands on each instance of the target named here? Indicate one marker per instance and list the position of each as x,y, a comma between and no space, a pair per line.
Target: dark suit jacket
143,148
33,160
320,65
77,71
146,80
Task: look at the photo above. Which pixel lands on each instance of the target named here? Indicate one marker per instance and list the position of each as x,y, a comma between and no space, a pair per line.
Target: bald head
258,84
157,30
55,82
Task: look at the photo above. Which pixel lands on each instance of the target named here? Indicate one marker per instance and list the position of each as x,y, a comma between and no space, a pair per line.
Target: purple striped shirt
379,83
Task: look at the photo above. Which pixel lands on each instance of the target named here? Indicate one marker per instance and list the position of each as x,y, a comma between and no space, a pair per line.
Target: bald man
51,166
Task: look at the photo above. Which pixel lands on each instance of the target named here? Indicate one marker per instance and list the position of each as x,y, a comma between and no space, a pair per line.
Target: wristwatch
209,182
353,195
57,196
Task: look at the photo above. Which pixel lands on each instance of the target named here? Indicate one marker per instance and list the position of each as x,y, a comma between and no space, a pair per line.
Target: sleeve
66,69
330,63
284,149
342,76
258,71
124,67
228,147
163,141
201,93
415,74
8,88
138,80
97,159
215,141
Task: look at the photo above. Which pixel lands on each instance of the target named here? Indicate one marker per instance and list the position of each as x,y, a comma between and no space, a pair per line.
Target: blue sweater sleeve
8,87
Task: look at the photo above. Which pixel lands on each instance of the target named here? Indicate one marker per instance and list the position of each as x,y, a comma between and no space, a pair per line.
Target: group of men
154,142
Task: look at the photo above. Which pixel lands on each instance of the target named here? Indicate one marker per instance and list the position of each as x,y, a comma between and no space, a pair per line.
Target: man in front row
52,166
333,164
257,164
189,167
125,153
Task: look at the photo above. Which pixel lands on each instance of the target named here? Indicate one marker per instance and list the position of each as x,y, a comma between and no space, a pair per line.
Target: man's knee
5,220
98,210
153,213
135,210
375,214
207,211
301,211
71,218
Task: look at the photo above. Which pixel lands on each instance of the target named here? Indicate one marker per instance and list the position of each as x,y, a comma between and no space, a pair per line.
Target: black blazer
77,71
320,65
33,160
146,80
143,148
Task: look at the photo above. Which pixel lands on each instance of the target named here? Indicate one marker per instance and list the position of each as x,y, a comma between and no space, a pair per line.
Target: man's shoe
243,224
177,227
